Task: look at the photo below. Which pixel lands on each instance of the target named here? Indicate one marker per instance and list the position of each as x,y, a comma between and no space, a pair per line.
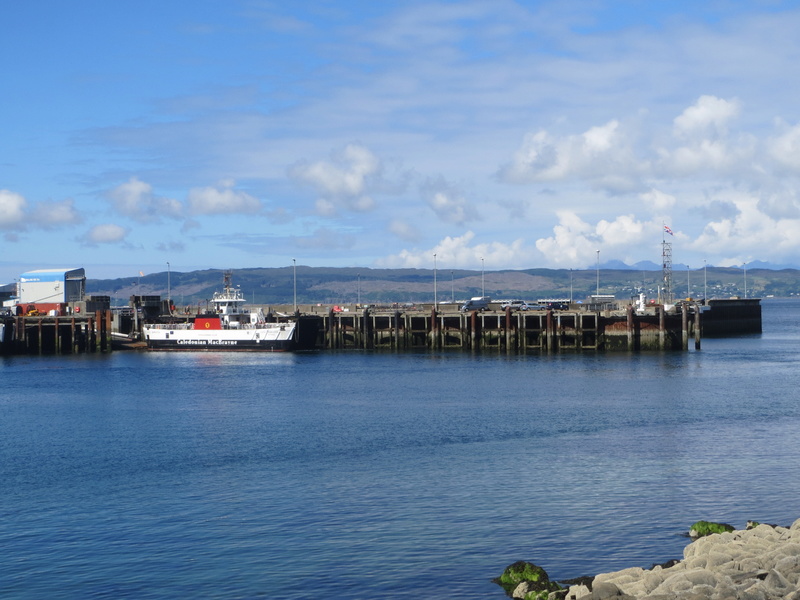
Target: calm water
357,475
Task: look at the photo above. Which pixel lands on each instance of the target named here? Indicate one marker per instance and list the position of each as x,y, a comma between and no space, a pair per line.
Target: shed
47,286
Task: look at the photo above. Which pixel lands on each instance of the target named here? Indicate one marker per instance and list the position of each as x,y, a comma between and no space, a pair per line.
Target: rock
578,591
759,563
524,572
704,528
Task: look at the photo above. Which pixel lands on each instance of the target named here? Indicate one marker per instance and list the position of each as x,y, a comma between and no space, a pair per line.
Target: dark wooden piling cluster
69,334
512,332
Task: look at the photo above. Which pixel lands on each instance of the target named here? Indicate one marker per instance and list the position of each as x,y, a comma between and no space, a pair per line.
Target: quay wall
510,332
732,316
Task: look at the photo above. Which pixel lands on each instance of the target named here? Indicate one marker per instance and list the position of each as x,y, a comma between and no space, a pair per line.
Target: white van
480,303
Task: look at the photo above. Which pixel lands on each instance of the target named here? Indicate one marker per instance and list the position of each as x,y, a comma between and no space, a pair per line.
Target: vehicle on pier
479,303
229,326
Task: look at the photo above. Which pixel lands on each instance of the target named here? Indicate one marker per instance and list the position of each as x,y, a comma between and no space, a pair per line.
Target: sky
146,136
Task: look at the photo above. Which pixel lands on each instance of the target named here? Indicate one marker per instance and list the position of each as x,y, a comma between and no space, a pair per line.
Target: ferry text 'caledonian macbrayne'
229,327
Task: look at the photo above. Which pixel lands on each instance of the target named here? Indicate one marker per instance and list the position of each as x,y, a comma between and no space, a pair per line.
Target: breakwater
761,562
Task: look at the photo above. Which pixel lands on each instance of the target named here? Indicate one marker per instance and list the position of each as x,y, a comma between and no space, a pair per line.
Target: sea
358,474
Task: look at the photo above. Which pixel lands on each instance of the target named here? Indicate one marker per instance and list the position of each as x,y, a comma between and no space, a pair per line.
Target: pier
48,334
508,331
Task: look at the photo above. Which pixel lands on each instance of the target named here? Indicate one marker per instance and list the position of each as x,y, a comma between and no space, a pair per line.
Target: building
52,286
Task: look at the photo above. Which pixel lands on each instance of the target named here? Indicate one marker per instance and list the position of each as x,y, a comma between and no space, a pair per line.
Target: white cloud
17,213
658,201
12,210
460,252
708,117
575,242
749,234
135,199
344,182
107,233
221,200
784,149
48,215
447,202
602,155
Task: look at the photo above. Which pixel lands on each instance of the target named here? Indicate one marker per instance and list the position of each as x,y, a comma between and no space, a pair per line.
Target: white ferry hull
279,338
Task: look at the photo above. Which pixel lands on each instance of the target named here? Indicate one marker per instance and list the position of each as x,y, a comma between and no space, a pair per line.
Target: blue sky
233,134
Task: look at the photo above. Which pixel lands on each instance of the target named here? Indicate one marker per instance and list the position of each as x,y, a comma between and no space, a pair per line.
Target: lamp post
452,288
483,285
598,273
169,290
745,281
358,289
570,286
435,303
688,286
705,282
294,275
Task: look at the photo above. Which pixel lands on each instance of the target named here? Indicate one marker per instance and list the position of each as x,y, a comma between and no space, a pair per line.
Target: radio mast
666,265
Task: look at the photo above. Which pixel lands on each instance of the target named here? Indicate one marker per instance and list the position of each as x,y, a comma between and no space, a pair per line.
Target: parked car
479,303
515,305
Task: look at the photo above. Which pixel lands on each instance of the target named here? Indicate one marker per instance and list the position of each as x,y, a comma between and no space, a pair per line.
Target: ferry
228,326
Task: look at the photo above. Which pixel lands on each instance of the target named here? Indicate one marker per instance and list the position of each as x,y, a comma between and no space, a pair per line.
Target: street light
570,286
169,290
294,273
358,289
435,303
745,281
452,288
705,282
483,285
598,273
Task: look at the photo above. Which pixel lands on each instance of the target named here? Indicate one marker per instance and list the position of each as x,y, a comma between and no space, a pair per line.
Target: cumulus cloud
345,182
708,117
221,200
748,233
704,143
135,199
658,201
16,213
460,252
575,242
49,215
784,148
106,233
447,202
602,155
12,210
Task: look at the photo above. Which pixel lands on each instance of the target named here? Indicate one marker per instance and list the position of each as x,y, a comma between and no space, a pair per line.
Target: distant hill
331,285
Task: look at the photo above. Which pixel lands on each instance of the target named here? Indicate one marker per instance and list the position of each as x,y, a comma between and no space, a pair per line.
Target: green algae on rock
704,528
538,582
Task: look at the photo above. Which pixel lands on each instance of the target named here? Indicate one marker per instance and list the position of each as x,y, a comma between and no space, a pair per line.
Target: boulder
539,584
704,528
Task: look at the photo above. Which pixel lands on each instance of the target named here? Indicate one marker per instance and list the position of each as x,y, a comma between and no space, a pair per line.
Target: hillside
328,285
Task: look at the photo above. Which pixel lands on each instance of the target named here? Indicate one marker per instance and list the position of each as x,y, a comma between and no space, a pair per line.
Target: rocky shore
758,563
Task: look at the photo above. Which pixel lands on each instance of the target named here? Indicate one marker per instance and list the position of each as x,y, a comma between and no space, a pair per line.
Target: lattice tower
666,263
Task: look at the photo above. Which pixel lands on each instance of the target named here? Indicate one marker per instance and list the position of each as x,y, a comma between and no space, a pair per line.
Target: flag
668,230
